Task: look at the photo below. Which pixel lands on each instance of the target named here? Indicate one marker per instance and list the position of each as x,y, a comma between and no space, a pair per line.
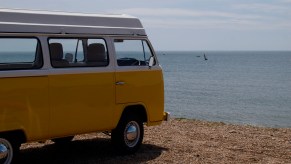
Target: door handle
120,83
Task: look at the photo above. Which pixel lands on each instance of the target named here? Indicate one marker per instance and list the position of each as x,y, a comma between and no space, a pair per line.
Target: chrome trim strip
47,72
72,70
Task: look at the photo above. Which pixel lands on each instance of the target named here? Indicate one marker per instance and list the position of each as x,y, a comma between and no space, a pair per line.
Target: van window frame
36,64
138,39
77,38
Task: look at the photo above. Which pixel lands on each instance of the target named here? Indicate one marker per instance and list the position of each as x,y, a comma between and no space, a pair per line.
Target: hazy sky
193,24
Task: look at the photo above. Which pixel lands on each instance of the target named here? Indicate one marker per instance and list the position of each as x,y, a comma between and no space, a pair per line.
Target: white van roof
32,21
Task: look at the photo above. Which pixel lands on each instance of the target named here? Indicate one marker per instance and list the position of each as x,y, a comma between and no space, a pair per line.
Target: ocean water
14,57
242,87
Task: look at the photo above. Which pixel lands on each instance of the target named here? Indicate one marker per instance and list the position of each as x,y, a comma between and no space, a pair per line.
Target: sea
240,87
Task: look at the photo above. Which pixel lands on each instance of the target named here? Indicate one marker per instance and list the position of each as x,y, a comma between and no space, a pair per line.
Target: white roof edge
65,13
39,21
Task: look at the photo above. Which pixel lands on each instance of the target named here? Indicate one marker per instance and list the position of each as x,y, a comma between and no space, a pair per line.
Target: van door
136,82
82,89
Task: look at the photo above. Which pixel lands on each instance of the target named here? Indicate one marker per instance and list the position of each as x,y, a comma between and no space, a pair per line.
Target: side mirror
151,61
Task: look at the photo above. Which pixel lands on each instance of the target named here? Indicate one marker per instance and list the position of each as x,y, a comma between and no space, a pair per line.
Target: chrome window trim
49,72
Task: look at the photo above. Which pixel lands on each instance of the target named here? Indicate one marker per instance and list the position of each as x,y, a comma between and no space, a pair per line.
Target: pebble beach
177,141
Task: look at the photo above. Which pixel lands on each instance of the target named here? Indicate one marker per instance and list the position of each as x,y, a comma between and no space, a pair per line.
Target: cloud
205,19
286,1
177,12
201,24
262,7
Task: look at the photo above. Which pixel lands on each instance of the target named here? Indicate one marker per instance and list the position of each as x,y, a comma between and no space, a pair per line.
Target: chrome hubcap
6,151
131,134
3,151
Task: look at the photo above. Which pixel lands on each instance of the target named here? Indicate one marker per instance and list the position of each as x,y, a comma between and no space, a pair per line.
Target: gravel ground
177,141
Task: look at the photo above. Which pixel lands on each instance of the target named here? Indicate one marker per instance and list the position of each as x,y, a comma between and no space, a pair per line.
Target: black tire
9,151
64,140
128,135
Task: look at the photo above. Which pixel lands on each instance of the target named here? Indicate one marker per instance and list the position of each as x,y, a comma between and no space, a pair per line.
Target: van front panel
138,82
142,87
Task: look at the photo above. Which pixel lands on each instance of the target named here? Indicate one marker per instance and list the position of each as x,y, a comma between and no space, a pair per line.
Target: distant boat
198,56
205,58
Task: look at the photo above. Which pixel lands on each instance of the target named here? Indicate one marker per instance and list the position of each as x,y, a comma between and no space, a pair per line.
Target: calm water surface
235,87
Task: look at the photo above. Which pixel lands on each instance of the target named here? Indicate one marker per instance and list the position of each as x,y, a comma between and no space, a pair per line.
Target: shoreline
178,141
232,123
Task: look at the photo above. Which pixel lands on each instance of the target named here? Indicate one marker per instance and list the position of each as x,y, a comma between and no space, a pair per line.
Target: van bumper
167,116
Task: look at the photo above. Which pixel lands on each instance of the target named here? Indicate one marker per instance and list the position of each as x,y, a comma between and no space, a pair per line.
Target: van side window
20,53
78,52
132,52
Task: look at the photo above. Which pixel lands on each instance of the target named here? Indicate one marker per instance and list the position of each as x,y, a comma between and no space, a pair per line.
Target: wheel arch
16,136
138,109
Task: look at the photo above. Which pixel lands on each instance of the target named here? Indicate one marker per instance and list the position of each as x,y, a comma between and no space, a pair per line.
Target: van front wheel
128,135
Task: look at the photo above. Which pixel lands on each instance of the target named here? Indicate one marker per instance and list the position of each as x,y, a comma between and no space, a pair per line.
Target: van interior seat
57,53
96,55
69,57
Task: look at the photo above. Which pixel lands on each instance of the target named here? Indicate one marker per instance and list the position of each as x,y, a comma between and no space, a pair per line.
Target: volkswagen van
63,74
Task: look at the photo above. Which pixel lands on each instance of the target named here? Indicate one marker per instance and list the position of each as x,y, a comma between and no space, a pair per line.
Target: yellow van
63,74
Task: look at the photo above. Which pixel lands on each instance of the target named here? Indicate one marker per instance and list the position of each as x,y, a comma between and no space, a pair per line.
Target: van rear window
20,53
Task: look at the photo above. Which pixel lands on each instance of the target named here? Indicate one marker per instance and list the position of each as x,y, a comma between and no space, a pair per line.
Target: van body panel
81,103
24,106
145,86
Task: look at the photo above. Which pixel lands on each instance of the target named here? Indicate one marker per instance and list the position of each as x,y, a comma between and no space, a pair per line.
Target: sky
192,25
